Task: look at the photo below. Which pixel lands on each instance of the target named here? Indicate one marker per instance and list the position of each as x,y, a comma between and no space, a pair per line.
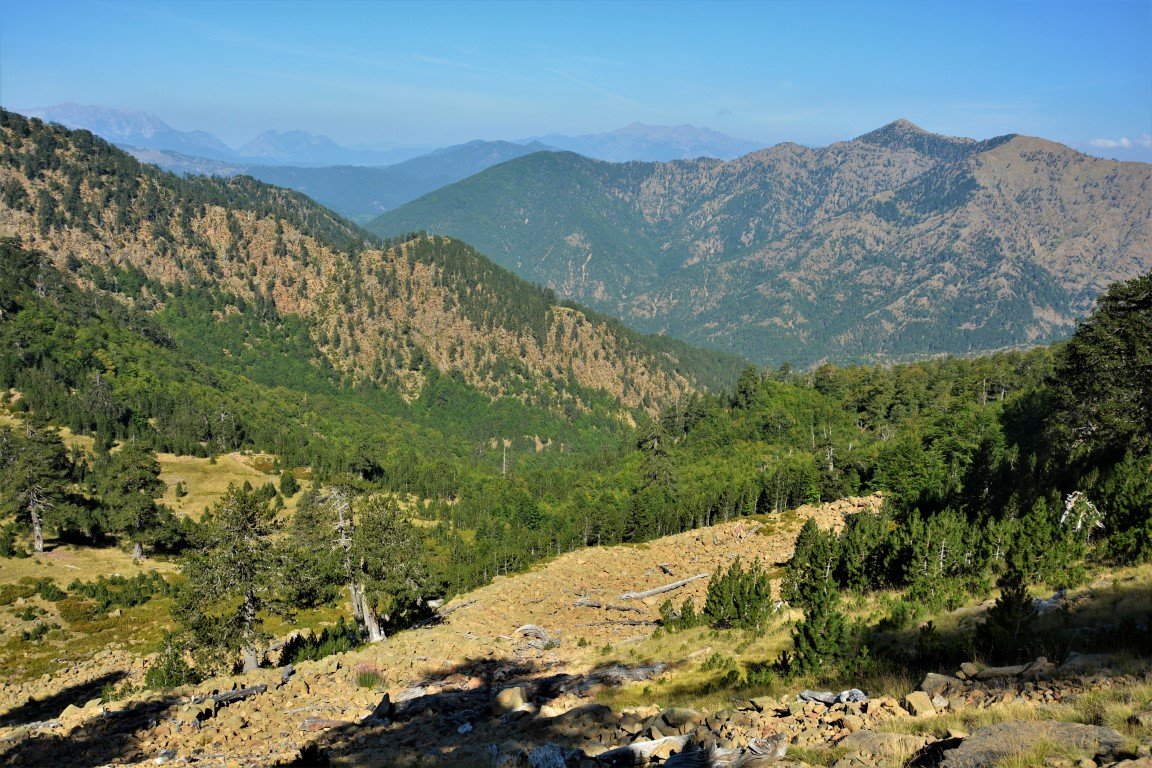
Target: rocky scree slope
896,245
481,687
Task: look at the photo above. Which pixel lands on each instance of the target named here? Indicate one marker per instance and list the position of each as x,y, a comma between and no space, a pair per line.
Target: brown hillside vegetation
380,315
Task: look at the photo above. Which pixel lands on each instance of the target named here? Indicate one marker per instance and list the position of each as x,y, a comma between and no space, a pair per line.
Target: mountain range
653,143
146,131
410,316
898,244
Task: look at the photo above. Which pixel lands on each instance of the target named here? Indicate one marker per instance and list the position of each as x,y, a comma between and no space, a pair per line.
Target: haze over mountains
898,244
395,315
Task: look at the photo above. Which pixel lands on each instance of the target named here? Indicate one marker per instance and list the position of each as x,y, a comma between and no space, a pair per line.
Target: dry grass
206,482
65,563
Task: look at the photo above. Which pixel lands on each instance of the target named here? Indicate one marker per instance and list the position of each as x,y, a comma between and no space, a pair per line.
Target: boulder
679,717
883,745
994,744
1081,663
992,672
934,684
509,700
919,704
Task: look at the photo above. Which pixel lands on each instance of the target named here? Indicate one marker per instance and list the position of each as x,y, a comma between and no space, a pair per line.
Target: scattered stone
919,704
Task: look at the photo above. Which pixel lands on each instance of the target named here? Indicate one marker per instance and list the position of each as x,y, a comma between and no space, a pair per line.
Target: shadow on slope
453,717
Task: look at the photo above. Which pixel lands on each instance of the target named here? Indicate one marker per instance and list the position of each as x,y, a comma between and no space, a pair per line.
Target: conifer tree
821,639
236,579
390,575
34,478
130,487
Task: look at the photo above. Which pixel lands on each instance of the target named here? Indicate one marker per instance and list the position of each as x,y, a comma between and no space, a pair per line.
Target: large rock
935,684
679,717
919,704
995,743
994,672
509,700
882,745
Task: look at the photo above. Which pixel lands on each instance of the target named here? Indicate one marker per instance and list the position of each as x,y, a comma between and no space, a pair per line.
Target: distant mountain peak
904,134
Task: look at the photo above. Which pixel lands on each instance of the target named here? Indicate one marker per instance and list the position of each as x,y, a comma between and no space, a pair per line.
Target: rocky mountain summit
898,244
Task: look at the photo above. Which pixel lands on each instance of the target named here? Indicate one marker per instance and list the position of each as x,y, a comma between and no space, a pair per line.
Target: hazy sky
436,73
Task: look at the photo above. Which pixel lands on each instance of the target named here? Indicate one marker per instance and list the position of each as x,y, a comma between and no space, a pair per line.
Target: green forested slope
897,245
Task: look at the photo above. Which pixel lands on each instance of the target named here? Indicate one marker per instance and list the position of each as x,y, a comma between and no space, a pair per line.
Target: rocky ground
509,675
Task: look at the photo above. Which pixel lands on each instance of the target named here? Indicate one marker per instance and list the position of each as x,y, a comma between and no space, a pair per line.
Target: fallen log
449,610
663,589
223,699
641,752
587,602
624,623
322,724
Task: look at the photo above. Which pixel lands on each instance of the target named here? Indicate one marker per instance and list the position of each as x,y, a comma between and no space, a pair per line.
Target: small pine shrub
739,598
48,590
121,591
1008,634
77,610
170,670
31,613
8,546
341,637
37,632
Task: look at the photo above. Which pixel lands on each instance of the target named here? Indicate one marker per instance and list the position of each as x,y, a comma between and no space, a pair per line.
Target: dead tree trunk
249,653
371,620
663,589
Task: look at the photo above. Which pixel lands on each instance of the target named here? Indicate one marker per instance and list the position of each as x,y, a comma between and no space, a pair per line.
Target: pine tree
236,579
34,473
130,487
821,640
1007,634
390,575
739,598
812,565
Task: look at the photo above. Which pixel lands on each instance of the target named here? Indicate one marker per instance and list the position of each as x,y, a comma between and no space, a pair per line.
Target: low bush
342,636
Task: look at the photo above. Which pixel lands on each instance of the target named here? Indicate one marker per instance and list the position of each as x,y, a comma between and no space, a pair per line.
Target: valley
275,490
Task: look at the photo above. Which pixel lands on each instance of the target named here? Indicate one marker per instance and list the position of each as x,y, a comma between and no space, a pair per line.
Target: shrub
8,546
685,618
76,610
122,591
37,632
342,636
170,670
739,598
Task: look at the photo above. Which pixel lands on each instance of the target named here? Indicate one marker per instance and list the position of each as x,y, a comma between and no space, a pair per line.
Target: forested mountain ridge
391,314
896,245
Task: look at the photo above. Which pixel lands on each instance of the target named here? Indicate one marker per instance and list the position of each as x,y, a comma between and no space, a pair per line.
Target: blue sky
436,73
